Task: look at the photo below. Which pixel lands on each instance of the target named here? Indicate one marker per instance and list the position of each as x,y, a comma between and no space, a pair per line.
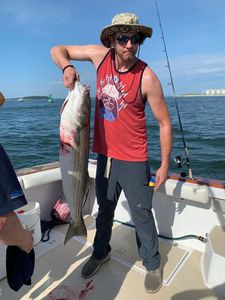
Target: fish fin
65,102
76,230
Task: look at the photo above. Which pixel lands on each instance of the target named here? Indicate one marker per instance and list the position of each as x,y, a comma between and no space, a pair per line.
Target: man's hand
160,177
70,75
12,233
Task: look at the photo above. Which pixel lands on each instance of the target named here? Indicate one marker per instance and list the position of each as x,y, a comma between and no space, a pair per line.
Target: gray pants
133,179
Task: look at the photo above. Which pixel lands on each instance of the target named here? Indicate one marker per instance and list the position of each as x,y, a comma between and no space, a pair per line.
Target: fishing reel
180,161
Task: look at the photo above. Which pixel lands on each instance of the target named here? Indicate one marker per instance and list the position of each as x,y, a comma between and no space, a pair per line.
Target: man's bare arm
63,55
152,90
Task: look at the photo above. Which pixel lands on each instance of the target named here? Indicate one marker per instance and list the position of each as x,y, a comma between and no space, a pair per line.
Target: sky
194,32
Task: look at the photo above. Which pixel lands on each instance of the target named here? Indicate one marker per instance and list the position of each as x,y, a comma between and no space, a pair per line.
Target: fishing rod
177,159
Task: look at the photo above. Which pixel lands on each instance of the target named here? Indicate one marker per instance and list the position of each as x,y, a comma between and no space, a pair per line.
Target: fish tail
75,230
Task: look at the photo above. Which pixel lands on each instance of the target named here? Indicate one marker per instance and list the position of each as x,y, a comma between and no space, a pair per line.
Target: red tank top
120,127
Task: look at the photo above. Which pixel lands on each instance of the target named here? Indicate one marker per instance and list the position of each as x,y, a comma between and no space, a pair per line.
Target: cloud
214,70
192,73
212,64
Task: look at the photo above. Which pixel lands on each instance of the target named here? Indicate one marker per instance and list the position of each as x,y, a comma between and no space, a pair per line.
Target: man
124,85
12,232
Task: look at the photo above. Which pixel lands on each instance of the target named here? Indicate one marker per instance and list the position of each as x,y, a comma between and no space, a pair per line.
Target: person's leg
104,220
139,196
107,192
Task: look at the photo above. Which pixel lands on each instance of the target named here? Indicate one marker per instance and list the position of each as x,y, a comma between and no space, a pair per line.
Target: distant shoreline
195,95
33,97
27,98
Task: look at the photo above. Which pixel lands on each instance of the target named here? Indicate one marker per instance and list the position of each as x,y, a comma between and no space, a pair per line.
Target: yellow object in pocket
152,182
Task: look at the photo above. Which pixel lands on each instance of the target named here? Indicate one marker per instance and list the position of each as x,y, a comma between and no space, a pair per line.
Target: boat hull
175,217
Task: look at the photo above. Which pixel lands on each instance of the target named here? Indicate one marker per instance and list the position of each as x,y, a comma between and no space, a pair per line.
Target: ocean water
30,133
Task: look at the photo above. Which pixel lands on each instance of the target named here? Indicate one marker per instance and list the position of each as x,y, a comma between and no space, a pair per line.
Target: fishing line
174,96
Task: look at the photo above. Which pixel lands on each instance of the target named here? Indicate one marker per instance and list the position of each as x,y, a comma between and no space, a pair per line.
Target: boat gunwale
199,180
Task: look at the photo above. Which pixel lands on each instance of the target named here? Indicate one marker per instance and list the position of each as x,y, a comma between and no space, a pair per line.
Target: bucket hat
123,23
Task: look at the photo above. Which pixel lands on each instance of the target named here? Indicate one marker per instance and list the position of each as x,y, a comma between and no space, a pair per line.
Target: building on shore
214,92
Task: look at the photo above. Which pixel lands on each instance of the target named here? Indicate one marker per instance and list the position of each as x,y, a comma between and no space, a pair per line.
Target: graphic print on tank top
111,98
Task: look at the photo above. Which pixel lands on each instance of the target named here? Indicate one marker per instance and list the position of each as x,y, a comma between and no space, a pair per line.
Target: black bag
11,193
19,267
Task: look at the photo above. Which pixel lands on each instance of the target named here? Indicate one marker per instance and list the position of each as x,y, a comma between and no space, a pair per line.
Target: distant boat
20,99
50,100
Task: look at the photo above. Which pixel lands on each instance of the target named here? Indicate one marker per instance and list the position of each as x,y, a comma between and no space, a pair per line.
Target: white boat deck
58,267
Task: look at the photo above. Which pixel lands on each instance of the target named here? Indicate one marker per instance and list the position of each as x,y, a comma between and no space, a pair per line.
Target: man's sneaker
92,266
153,281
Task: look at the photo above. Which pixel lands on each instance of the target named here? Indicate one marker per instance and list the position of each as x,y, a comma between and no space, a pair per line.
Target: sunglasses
123,39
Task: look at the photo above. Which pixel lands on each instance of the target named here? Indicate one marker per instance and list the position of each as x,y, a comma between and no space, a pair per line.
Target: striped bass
74,154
